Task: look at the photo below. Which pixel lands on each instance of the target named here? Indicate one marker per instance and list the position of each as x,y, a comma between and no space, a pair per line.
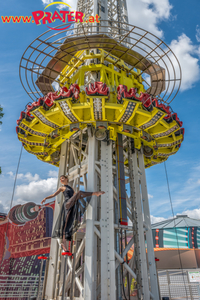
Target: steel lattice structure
108,122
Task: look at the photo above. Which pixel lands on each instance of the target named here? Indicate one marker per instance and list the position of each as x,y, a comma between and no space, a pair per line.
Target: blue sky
177,23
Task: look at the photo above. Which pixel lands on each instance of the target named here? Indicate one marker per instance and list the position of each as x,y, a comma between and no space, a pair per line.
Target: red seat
122,92
73,91
65,93
162,106
145,98
36,104
97,89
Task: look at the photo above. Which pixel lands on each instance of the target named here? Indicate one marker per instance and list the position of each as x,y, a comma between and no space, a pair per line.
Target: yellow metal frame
113,72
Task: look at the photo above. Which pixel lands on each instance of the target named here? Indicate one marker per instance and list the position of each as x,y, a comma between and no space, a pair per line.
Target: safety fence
175,284
20,287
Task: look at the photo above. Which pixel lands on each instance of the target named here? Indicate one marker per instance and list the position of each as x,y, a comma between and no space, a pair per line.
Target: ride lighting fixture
101,131
55,156
101,134
31,143
67,111
148,152
32,131
44,120
128,113
170,144
146,136
38,153
166,154
166,133
127,128
74,127
153,121
54,134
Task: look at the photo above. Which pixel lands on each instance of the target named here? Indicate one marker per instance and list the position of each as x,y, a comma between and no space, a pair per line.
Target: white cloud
194,214
27,177
70,2
187,54
30,188
36,190
150,196
198,33
53,174
45,2
11,174
156,219
152,11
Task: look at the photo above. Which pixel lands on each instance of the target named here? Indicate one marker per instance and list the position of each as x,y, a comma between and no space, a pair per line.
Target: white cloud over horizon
187,54
53,174
156,219
27,177
194,214
36,190
152,11
29,188
60,6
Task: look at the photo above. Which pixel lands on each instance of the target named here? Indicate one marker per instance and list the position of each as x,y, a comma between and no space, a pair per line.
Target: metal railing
20,287
175,284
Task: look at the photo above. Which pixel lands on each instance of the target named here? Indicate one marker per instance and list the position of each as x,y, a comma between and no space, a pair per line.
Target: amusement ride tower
109,120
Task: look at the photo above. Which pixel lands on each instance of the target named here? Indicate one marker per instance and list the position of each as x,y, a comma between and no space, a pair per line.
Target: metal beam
107,225
89,282
138,231
53,257
149,238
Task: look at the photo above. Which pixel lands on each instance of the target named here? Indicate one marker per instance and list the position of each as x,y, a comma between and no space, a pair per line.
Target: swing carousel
101,112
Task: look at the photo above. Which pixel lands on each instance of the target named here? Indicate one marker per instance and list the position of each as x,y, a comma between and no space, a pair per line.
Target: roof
178,221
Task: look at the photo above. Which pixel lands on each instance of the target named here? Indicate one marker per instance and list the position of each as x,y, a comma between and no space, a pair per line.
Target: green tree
1,116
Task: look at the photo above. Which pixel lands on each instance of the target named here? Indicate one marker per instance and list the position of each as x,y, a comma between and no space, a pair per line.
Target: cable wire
11,202
179,254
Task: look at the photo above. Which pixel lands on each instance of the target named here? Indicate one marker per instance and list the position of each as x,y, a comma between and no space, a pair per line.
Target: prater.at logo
45,17
65,16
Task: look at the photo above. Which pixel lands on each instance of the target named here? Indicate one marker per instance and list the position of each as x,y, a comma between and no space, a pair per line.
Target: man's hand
43,200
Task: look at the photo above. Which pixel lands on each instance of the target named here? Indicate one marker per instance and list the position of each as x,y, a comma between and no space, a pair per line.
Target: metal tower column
107,225
54,250
147,220
111,10
138,225
90,251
